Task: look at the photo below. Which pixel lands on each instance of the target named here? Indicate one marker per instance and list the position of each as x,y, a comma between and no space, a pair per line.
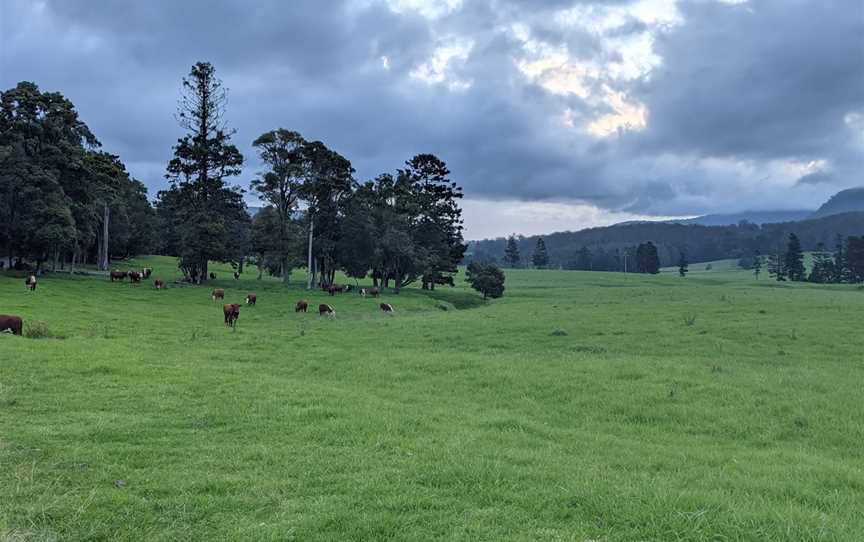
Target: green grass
581,406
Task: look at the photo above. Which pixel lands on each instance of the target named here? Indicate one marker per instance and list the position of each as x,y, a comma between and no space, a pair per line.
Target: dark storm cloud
760,82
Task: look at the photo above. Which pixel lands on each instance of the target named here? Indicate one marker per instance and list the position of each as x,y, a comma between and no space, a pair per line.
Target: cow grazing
334,289
325,309
301,306
374,292
217,293
212,276
236,275
117,275
30,283
146,272
134,276
11,324
251,299
347,288
232,313
363,292
159,284
387,308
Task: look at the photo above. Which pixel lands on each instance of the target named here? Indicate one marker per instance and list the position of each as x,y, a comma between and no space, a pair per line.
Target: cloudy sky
553,114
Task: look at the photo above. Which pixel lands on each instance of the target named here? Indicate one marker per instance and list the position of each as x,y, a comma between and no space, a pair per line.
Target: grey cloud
757,82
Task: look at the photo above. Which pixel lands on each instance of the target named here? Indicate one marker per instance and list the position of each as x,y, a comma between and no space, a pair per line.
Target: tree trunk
310,271
104,263
285,273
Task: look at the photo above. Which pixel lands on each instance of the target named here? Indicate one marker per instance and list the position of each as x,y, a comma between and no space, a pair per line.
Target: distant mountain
845,201
754,217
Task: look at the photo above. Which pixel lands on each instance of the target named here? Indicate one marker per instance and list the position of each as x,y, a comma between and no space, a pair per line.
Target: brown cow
301,306
30,283
134,276
13,324
232,313
387,308
159,284
324,308
251,299
217,293
117,275
334,289
146,272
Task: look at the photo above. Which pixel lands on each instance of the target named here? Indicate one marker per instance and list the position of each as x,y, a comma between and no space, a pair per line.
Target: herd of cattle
231,311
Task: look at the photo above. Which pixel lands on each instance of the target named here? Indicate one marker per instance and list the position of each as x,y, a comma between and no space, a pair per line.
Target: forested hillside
605,248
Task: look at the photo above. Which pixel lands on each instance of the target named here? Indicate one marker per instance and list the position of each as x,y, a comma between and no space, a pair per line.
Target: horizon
561,116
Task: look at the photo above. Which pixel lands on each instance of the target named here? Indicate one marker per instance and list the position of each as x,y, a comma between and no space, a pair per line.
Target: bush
486,278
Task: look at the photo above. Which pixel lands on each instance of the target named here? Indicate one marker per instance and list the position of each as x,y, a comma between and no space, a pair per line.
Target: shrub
38,330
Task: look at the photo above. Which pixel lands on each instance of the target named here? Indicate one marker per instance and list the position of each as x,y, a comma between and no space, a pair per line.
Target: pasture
581,406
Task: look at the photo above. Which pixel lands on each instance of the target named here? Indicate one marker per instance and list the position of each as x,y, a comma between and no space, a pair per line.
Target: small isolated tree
794,259
682,264
511,252
540,258
486,278
757,264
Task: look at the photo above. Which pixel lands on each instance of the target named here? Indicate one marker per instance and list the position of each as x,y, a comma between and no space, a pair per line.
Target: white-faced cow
146,272
134,276
11,324
30,283
217,293
251,299
236,275
326,310
117,275
232,313
159,284
387,308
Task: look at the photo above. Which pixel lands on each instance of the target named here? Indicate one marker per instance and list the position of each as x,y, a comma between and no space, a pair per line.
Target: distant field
581,406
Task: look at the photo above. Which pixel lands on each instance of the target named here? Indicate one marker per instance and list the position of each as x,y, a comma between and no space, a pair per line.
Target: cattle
325,309
387,308
146,272
159,284
232,313
334,289
251,299
30,283
212,276
373,292
301,306
217,293
11,324
236,275
117,275
134,276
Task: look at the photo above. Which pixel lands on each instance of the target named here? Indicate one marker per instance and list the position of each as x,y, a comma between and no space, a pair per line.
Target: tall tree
854,259
757,264
437,221
280,185
794,259
511,252
647,260
682,263
329,180
540,258
777,266
209,216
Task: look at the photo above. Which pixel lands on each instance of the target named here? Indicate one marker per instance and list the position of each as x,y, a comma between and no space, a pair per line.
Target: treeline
845,264
611,248
64,201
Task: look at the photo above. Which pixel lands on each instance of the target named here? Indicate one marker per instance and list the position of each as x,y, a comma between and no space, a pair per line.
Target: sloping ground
580,406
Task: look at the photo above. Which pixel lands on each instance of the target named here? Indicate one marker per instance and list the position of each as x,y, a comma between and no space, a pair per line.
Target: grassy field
581,406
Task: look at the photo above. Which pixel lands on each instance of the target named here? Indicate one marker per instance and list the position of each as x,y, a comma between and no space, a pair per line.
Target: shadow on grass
459,299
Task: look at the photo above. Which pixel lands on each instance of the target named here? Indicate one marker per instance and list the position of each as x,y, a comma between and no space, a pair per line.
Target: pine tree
511,253
854,259
776,266
839,261
794,259
682,264
540,258
757,264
